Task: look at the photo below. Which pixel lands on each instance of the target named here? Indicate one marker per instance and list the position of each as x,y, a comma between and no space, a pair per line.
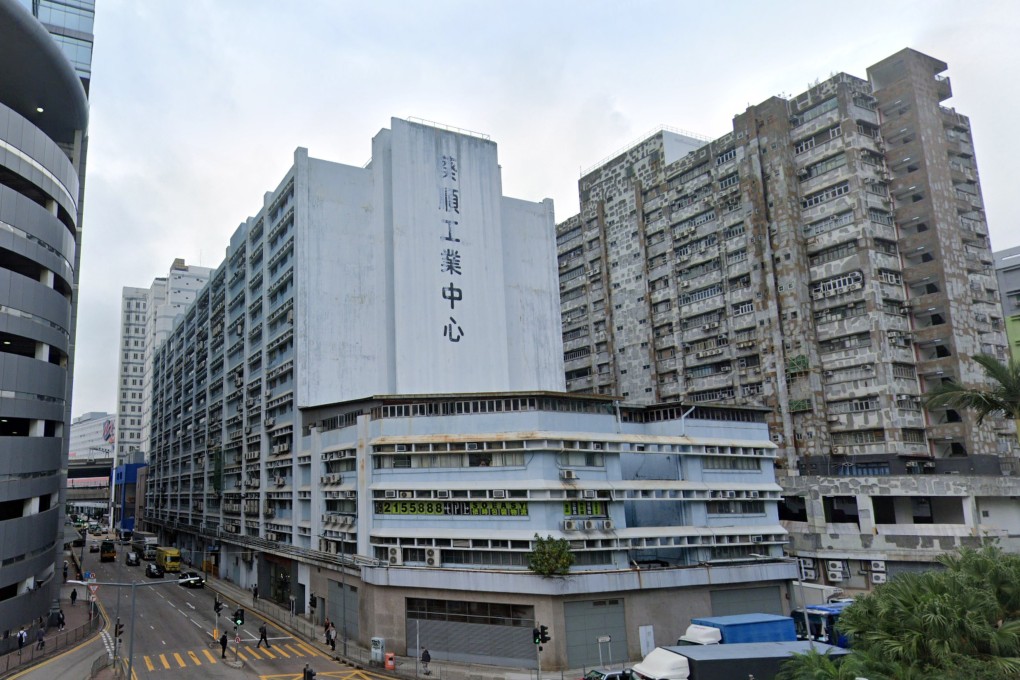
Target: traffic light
218,606
311,601
239,616
543,634
118,630
536,636
308,673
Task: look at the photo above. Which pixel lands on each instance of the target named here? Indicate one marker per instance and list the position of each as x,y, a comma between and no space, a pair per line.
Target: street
173,633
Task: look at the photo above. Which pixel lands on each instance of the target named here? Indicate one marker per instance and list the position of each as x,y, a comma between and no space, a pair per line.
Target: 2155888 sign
476,508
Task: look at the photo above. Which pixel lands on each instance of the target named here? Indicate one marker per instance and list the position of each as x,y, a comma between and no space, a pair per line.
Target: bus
144,543
168,558
107,551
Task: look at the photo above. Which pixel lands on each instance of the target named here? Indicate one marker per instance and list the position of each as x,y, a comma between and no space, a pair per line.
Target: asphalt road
173,633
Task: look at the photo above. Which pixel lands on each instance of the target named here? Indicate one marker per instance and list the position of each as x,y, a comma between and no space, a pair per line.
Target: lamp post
132,586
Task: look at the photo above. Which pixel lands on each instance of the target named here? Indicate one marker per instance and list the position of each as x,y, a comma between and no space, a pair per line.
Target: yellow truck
168,558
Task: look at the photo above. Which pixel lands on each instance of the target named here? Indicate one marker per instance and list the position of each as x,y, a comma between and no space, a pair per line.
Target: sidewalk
356,655
77,628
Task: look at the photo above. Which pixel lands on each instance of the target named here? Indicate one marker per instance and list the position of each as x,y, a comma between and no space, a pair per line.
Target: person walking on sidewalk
331,635
22,639
425,659
325,630
262,636
254,594
74,596
40,639
223,644
60,620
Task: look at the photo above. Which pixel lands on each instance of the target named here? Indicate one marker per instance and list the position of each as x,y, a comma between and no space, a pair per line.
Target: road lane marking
179,660
190,605
312,650
295,651
268,653
241,656
194,657
148,663
197,624
252,652
166,664
212,659
279,650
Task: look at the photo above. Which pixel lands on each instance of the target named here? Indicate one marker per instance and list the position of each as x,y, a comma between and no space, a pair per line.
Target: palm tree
1003,396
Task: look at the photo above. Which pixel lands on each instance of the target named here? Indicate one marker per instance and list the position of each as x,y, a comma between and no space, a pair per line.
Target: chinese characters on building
449,254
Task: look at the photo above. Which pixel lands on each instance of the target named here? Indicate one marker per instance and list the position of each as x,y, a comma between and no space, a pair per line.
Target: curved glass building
43,121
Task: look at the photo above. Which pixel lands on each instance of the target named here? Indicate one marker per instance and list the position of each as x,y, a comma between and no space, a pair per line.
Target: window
826,195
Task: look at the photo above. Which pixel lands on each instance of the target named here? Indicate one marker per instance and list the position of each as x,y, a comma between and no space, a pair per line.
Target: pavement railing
101,662
30,654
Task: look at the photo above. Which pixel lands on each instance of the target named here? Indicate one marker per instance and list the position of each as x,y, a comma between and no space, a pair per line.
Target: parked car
132,559
191,579
602,674
153,570
94,547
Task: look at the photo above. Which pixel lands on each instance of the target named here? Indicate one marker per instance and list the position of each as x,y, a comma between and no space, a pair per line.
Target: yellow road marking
148,663
252,652
166,664
179,660
279,650
241,656
294,650
212,659
268,653
312,650
194,657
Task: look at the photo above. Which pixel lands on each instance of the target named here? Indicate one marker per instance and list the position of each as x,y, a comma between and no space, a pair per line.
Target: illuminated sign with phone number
471,508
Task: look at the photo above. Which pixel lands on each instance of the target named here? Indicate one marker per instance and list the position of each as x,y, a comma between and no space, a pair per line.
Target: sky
197,106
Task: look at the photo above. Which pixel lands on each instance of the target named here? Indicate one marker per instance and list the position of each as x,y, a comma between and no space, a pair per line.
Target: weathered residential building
827,259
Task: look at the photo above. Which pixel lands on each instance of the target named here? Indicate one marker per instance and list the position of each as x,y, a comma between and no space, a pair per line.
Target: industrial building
363,413
828,260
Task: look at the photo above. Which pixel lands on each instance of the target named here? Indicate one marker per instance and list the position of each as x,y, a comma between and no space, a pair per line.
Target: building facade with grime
363,414
828,259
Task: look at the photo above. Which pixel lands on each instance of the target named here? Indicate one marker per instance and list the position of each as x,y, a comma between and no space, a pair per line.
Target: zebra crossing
175,661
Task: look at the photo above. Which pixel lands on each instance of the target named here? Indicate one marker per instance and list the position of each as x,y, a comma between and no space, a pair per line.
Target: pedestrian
60,620
223,644
262,636
425,658
325,630
332,637
22,639
65,571
255,593
74,596
40,639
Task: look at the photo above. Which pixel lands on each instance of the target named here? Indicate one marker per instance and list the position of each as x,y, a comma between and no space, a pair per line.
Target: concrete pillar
37,428
866,514
971,517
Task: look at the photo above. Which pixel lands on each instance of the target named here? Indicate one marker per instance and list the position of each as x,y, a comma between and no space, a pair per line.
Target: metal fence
99,664
54,643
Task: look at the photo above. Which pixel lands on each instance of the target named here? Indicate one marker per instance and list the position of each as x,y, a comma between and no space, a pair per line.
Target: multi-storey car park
343,419
43,136
829,260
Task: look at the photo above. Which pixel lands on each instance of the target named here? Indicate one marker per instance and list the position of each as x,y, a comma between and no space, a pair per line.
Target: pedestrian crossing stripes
173,661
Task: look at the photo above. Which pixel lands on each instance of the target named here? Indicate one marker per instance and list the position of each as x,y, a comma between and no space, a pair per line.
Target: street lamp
133,586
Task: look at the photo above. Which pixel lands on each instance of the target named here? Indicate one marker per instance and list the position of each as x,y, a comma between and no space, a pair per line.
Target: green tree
551,556
961,622
1002,396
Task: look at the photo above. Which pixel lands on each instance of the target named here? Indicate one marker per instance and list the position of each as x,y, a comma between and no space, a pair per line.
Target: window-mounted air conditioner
877,565
607,525
389,493
834,565
442,493
498,493
589,493
878,578
589,525
568,474
835,576
569,525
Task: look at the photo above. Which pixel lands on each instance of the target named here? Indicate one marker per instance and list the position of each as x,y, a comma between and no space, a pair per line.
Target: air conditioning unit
877,578
834,565
685,284
833,419
590,525
407,494
395,557
270,422
877,565
498,493
752,494
730,494
442,493
607,525
433,557
596,446
757,539
471,446
569,525
835,576
400,448
589,493
808,574
247,430
806,562
568,474
269,393
280,481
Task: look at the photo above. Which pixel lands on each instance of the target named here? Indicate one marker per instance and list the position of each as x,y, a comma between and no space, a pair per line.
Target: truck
713,630
168,558
820,622
144,543
762,660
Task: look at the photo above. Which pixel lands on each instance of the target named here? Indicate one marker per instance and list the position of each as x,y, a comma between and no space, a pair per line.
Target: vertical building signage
450,256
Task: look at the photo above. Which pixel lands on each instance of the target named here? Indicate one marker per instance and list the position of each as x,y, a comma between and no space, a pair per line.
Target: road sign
93,587
90,574
237,639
